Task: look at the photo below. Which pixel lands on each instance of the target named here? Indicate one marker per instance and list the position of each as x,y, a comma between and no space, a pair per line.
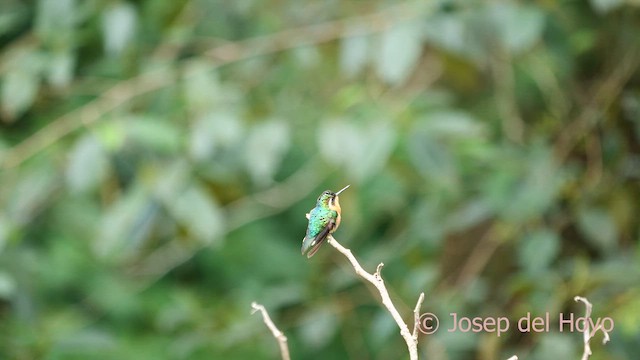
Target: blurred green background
157,159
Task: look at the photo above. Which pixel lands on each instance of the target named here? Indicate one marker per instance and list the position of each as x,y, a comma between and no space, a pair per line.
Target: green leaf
518,26
87,164
431,143
60,68
461,33
20,84
399,51
12,15
33,188
453,125
7,286
339,141
213,131
536,190
432,158
5,231
174,179
154,133
267,144
447,32
19,89
195,209
599,228
426,225
123,225
538,250
362,151
55,22
379,141
605,6
201,87
499,186
354,54
111,134
118,27
306,56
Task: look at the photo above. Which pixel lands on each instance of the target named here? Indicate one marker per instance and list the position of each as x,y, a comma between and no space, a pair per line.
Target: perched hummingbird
324,219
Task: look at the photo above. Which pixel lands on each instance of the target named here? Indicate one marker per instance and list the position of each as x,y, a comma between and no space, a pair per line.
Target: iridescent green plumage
324,219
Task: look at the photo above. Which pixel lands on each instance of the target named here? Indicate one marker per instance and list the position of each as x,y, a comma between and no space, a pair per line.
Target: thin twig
587,334
378,282
416,317
279,335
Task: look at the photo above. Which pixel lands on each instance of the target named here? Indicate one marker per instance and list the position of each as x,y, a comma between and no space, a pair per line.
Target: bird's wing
318,239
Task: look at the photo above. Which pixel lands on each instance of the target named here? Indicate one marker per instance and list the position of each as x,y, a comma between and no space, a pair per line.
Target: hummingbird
324,219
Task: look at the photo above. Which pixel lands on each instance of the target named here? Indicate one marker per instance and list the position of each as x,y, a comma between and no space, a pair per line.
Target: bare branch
378,282
282,340
416,317
587,335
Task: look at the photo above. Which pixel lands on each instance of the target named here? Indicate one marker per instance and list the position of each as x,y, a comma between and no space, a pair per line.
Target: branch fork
279,335
411,338
588,335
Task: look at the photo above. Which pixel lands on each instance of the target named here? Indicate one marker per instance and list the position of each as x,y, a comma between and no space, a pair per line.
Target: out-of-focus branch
86,115
588,334
502,72
238,213
219,56
605,93
378,282
279,335
482,253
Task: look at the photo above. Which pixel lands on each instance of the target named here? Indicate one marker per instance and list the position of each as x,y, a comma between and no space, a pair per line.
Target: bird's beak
343,189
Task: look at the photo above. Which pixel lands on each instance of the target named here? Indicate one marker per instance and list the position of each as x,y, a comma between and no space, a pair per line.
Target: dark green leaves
599,228
163,155
538,250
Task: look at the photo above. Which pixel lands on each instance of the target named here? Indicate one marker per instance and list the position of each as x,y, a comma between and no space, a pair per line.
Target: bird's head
329,198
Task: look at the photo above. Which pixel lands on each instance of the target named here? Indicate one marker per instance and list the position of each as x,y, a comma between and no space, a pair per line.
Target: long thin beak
343,189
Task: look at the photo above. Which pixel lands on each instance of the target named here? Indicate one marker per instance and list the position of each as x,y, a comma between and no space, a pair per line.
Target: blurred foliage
158,157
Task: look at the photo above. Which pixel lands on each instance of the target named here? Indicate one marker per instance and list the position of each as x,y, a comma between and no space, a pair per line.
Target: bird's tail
310,245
